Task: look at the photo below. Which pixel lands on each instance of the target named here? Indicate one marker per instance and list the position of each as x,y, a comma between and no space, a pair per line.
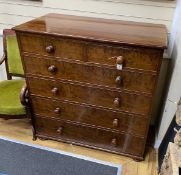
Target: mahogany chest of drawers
92,81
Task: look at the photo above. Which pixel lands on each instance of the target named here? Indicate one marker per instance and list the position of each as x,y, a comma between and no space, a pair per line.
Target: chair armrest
3,58
24,95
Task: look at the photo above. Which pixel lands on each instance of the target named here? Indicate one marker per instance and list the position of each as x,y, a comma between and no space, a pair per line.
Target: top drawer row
59,47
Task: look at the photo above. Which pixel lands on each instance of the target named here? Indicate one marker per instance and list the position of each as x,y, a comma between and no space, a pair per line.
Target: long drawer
81,93
91,137
95,74
98,117
74,49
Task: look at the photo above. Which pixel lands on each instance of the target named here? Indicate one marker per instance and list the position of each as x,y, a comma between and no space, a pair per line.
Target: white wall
174,92
2,67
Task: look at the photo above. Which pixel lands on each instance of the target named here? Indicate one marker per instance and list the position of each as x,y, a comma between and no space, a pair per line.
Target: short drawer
99,117
119,100
99,75
127,56
104,54
91,137
50,46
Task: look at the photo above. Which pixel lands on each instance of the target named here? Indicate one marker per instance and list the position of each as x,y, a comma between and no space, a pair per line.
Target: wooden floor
21,131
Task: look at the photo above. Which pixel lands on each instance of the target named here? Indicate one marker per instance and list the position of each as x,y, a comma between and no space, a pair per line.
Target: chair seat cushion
9,97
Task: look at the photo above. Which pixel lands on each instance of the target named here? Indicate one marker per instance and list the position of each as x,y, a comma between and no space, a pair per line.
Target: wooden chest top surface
104,30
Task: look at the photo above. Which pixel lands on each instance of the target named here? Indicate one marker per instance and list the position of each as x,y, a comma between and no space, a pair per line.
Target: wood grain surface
122,32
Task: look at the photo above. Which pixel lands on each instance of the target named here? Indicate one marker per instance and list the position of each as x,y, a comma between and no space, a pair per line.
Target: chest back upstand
92,81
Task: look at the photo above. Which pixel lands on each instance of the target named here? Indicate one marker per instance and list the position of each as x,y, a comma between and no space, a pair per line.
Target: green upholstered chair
12,91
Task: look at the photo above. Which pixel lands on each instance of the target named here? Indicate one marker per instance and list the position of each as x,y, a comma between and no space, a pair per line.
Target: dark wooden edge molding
24,95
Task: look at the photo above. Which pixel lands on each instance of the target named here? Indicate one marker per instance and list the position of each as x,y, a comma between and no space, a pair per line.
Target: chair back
13,59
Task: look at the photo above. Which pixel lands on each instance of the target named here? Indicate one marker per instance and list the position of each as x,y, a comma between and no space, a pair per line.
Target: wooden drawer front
139,58
119,100
89,115
129,80
88,136
63,48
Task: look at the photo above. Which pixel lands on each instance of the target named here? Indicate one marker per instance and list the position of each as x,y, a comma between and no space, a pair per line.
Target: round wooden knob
116,102
50,49
57,111
114,142
118,80
119,60
115,123
60,130
52,69
54,90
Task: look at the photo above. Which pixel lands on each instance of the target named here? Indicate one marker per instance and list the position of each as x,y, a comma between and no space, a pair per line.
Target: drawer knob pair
60,130
55,90
117,102
57,110
50,49
115,123
52,69
114,142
